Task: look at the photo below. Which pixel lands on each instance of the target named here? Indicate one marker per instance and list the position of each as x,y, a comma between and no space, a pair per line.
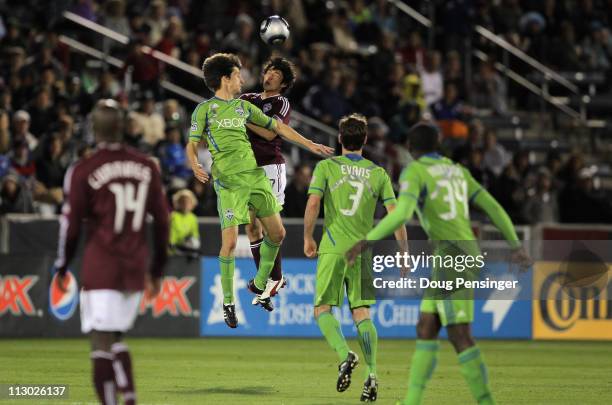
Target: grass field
258,371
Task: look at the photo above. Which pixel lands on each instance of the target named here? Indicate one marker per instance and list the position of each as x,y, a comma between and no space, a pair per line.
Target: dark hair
286,67
353,131
108,120
217,66
424,137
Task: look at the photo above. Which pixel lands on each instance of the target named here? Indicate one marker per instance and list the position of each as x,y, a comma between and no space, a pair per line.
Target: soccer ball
274,30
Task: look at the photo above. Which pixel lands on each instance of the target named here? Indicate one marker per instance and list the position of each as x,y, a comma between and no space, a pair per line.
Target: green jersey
350,186
223,124
443,190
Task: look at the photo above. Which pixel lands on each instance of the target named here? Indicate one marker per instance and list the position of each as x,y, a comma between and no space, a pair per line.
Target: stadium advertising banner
293,314
32,306
572,311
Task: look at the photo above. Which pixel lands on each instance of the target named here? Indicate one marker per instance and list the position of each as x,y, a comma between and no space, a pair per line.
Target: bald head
108,121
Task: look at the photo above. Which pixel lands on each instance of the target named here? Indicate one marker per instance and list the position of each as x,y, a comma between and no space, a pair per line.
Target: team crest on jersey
267,107
239,110
229,214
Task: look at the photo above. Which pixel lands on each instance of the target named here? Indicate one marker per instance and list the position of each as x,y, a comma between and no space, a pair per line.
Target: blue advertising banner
293,313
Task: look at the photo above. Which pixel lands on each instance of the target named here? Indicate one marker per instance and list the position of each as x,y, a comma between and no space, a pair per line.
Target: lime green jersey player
350,187
440,191
239,184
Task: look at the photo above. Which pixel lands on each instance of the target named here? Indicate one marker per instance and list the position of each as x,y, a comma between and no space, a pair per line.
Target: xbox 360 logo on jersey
229,123
239,110
229,214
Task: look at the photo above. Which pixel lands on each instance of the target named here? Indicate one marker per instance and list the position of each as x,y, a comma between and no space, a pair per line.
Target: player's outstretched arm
192,154
262,132
310,218
401,235
292,135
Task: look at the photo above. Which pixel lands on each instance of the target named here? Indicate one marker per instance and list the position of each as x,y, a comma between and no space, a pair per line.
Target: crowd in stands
352,56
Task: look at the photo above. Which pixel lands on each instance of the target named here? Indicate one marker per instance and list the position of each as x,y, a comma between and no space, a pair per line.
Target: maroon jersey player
113,190
278,77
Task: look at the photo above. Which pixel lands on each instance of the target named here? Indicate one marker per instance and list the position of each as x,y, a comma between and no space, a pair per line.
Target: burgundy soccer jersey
268,152
112,191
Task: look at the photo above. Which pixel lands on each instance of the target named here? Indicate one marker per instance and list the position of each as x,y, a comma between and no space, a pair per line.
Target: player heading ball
220,123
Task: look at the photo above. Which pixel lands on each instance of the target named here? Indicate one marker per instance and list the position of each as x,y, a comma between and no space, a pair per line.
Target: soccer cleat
266,303
345,369
370,389
229,314
272,286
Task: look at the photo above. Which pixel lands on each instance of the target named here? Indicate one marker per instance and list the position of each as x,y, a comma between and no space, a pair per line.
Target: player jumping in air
239,183
113,190
350,187
278,77
441,190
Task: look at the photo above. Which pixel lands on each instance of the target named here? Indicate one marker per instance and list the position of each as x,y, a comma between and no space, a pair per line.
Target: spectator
565,53
145,69
598,48
21,129
151,122
15,198
413,54
21,160
489,90
157,20
431,78
495,157
172,38
412,92
297,192
453,73
50,169
107,86
242,39
114,17
342,31
171,154
480,173
41,112
184,230
507,16
408,115
449,108
541,204
461,153
326,101
580,203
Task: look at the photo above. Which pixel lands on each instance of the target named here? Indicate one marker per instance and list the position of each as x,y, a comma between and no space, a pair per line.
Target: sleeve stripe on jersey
473,196
269,124
387,199
285,109
316,188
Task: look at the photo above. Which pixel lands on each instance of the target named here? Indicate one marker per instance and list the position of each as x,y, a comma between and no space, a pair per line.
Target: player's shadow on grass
228,391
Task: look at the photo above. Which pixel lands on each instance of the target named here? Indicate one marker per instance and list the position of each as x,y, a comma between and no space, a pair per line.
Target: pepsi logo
63,304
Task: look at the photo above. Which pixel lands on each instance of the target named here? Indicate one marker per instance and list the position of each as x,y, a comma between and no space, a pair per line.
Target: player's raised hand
199,173
521,258
322,150
310,247
352,254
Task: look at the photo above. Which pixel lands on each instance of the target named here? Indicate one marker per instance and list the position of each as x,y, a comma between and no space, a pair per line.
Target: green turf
257,371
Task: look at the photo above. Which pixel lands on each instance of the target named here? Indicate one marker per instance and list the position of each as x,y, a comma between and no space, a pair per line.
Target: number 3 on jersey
126,200
356,198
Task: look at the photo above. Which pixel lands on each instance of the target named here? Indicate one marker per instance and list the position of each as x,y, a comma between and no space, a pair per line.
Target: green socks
421,369
267,251
368,340
226,264
330,328
474,371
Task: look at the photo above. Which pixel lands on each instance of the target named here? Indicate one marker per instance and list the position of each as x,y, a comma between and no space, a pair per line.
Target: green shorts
238,193
451,311
334,275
